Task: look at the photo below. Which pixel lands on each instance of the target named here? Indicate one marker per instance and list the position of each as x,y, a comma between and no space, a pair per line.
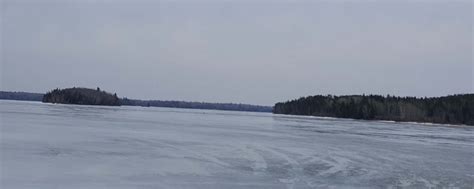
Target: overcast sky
258,52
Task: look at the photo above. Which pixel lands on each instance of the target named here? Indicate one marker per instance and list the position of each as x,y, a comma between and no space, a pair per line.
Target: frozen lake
68,146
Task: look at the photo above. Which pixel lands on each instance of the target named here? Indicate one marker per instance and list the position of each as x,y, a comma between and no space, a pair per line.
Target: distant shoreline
27,96
281,115
103,106
447,110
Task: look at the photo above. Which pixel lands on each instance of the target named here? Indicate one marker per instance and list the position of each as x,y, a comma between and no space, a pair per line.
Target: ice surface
68,146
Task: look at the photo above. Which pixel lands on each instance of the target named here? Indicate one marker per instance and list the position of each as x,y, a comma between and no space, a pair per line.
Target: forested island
82,96
454,109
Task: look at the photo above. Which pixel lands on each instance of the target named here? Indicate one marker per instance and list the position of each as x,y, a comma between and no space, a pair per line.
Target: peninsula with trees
454,109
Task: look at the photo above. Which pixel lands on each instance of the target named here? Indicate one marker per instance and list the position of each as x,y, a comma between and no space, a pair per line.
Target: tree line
21,96
453,109
196,105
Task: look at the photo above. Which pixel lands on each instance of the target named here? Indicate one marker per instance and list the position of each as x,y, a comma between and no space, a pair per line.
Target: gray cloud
247,52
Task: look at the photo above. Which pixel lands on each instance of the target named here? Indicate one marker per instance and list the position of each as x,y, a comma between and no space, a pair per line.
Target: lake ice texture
70,146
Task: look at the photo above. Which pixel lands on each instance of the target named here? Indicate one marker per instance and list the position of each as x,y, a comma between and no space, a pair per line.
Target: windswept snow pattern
70,146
